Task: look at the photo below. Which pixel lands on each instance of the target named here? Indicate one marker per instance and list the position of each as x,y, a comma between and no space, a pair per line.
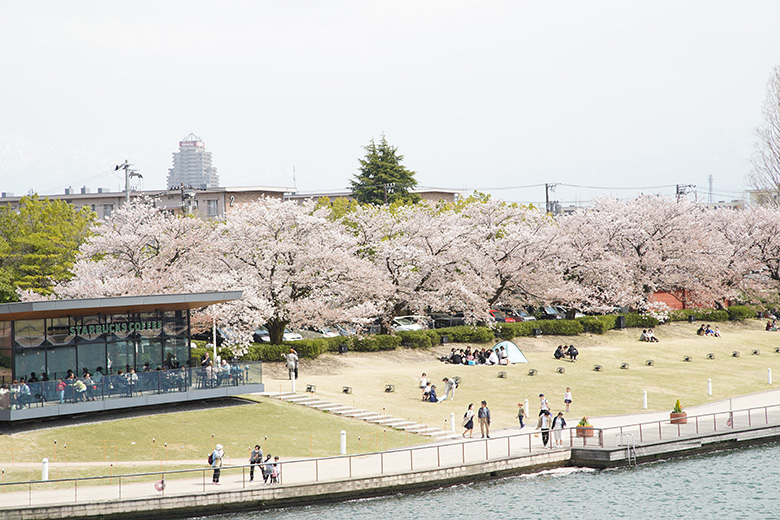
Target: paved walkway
443,453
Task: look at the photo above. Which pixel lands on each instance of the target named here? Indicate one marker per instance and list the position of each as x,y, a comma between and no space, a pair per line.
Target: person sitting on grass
643,336
701,330
426,391
559,353
492,358
432,395
572,353
651,336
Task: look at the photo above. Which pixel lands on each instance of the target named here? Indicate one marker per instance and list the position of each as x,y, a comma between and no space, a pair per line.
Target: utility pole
128,174
385,187
548,187
684,189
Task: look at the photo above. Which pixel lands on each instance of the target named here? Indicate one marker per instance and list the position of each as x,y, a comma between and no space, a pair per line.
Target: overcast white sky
483,95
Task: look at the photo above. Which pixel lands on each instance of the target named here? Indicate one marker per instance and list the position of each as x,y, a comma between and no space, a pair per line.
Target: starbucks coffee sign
111,328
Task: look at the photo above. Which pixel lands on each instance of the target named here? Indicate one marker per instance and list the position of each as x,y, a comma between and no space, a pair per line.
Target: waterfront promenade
717,425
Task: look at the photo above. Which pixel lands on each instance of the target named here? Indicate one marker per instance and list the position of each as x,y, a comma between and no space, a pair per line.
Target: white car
261,335
408,323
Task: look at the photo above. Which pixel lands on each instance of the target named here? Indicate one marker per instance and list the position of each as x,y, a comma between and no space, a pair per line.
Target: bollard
644,400
452,422
343,449
525,406
709,386
292,381
45,470
769,376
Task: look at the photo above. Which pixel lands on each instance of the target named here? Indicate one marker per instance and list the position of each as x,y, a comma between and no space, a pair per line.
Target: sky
603,98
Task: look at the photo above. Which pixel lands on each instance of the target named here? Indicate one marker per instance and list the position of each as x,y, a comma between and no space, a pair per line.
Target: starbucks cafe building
47,347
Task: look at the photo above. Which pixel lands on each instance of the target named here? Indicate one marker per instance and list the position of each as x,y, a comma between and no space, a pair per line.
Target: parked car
441,320
261,335
548,313
501,317
407,323
565,311
518,314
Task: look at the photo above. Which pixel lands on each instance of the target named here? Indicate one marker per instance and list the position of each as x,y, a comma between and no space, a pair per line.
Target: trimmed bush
560,327
434,335
699,314
740,312
415,339
597,324
468,334
516,330
375,343
644,321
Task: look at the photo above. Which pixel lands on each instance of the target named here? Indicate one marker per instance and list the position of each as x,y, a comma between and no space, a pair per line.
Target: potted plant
678,416
584,428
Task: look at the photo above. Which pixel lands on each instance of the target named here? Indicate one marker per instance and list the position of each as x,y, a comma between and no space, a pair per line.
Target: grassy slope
294,431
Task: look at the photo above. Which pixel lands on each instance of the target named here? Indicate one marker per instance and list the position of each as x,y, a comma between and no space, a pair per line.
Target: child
521,414
567,398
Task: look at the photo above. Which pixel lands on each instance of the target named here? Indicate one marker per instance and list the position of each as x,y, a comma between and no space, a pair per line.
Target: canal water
734,484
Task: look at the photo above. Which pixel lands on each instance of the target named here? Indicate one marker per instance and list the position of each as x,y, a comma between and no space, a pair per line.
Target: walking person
468,421
267,468
484,420
216,463
544,425
558,424
567,398
255,459
292,363
276,471
544,405
521,414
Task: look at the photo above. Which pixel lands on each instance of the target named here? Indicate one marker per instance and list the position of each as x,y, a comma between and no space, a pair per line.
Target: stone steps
360,414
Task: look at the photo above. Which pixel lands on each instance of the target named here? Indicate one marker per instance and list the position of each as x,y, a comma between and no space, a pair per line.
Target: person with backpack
267,469
255,459
215,460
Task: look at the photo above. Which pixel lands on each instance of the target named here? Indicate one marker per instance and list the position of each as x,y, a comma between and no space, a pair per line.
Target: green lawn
290,430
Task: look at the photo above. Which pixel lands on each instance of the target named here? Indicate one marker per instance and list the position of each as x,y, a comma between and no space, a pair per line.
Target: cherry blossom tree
514,253
295,266
418,251
621,252
141,250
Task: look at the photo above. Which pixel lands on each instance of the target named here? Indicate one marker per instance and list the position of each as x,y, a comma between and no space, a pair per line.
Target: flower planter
585,431
679,418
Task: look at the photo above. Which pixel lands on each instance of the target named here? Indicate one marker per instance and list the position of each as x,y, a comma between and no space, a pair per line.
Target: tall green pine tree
382,178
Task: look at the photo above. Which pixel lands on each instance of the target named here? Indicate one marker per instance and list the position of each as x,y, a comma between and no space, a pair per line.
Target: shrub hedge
313,348
741,312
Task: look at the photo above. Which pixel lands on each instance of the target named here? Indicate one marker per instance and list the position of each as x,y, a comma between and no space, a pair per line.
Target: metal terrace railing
449,454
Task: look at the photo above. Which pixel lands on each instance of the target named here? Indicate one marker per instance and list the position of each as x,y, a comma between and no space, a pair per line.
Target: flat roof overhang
113,305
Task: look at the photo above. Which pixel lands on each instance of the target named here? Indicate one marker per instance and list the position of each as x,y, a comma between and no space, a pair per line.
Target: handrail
512,443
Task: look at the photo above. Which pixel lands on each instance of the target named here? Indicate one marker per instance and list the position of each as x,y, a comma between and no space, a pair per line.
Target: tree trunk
275,329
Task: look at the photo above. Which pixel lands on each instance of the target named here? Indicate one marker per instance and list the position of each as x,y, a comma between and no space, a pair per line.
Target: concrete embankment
616,456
